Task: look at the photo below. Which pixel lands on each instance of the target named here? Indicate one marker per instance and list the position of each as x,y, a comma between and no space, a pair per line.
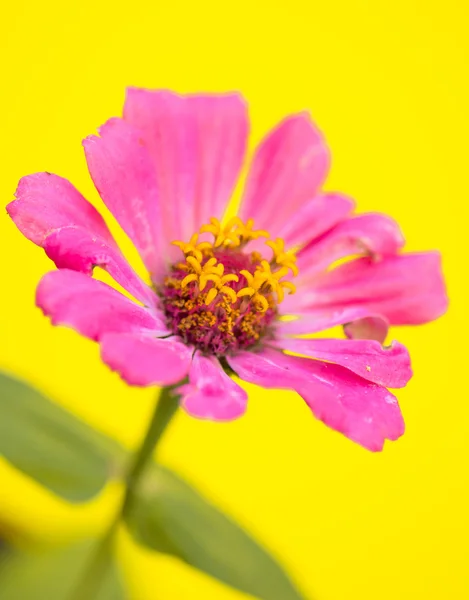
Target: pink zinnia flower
230,296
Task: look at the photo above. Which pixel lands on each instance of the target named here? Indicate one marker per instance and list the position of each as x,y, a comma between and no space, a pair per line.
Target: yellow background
387,83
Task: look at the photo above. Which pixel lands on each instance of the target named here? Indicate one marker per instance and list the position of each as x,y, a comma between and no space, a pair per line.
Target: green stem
92,580
165,410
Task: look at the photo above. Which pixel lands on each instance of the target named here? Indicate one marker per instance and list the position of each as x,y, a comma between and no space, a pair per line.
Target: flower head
231,295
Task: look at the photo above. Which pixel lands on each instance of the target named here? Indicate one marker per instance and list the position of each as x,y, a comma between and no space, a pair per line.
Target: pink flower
222,298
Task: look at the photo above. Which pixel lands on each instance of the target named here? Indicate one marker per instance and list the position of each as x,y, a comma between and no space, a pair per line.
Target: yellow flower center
222,296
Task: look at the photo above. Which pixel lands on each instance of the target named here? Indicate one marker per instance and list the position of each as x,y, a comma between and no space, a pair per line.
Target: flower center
223,297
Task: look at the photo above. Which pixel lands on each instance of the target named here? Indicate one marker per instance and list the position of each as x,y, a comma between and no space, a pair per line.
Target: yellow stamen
210,266
266,270
261,303
282,258
245,230
210,271
230,277
249,277
289,285
220,287
212,294
256,257
193,248
279,289
216,229
202,266
247,291
255,282
229,292
188,279
204,279
195,264
234,233
270,280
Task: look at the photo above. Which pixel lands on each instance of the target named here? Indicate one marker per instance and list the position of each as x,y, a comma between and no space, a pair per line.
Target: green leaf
55,575
49,444
169,516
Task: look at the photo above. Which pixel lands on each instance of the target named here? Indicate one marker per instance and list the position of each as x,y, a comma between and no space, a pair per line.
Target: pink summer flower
238,295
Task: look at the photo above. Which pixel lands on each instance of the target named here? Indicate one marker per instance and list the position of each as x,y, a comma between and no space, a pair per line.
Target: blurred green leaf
55,575
169,516
49,444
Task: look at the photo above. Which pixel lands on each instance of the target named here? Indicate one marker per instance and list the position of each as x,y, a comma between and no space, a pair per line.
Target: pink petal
212,394
363,411
143,360
262,368
406,290
46,202
197,144
358,323
374,234
367,328
387,366
314,218
123,173
91,307
288,168
366,413
53,214
77,249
